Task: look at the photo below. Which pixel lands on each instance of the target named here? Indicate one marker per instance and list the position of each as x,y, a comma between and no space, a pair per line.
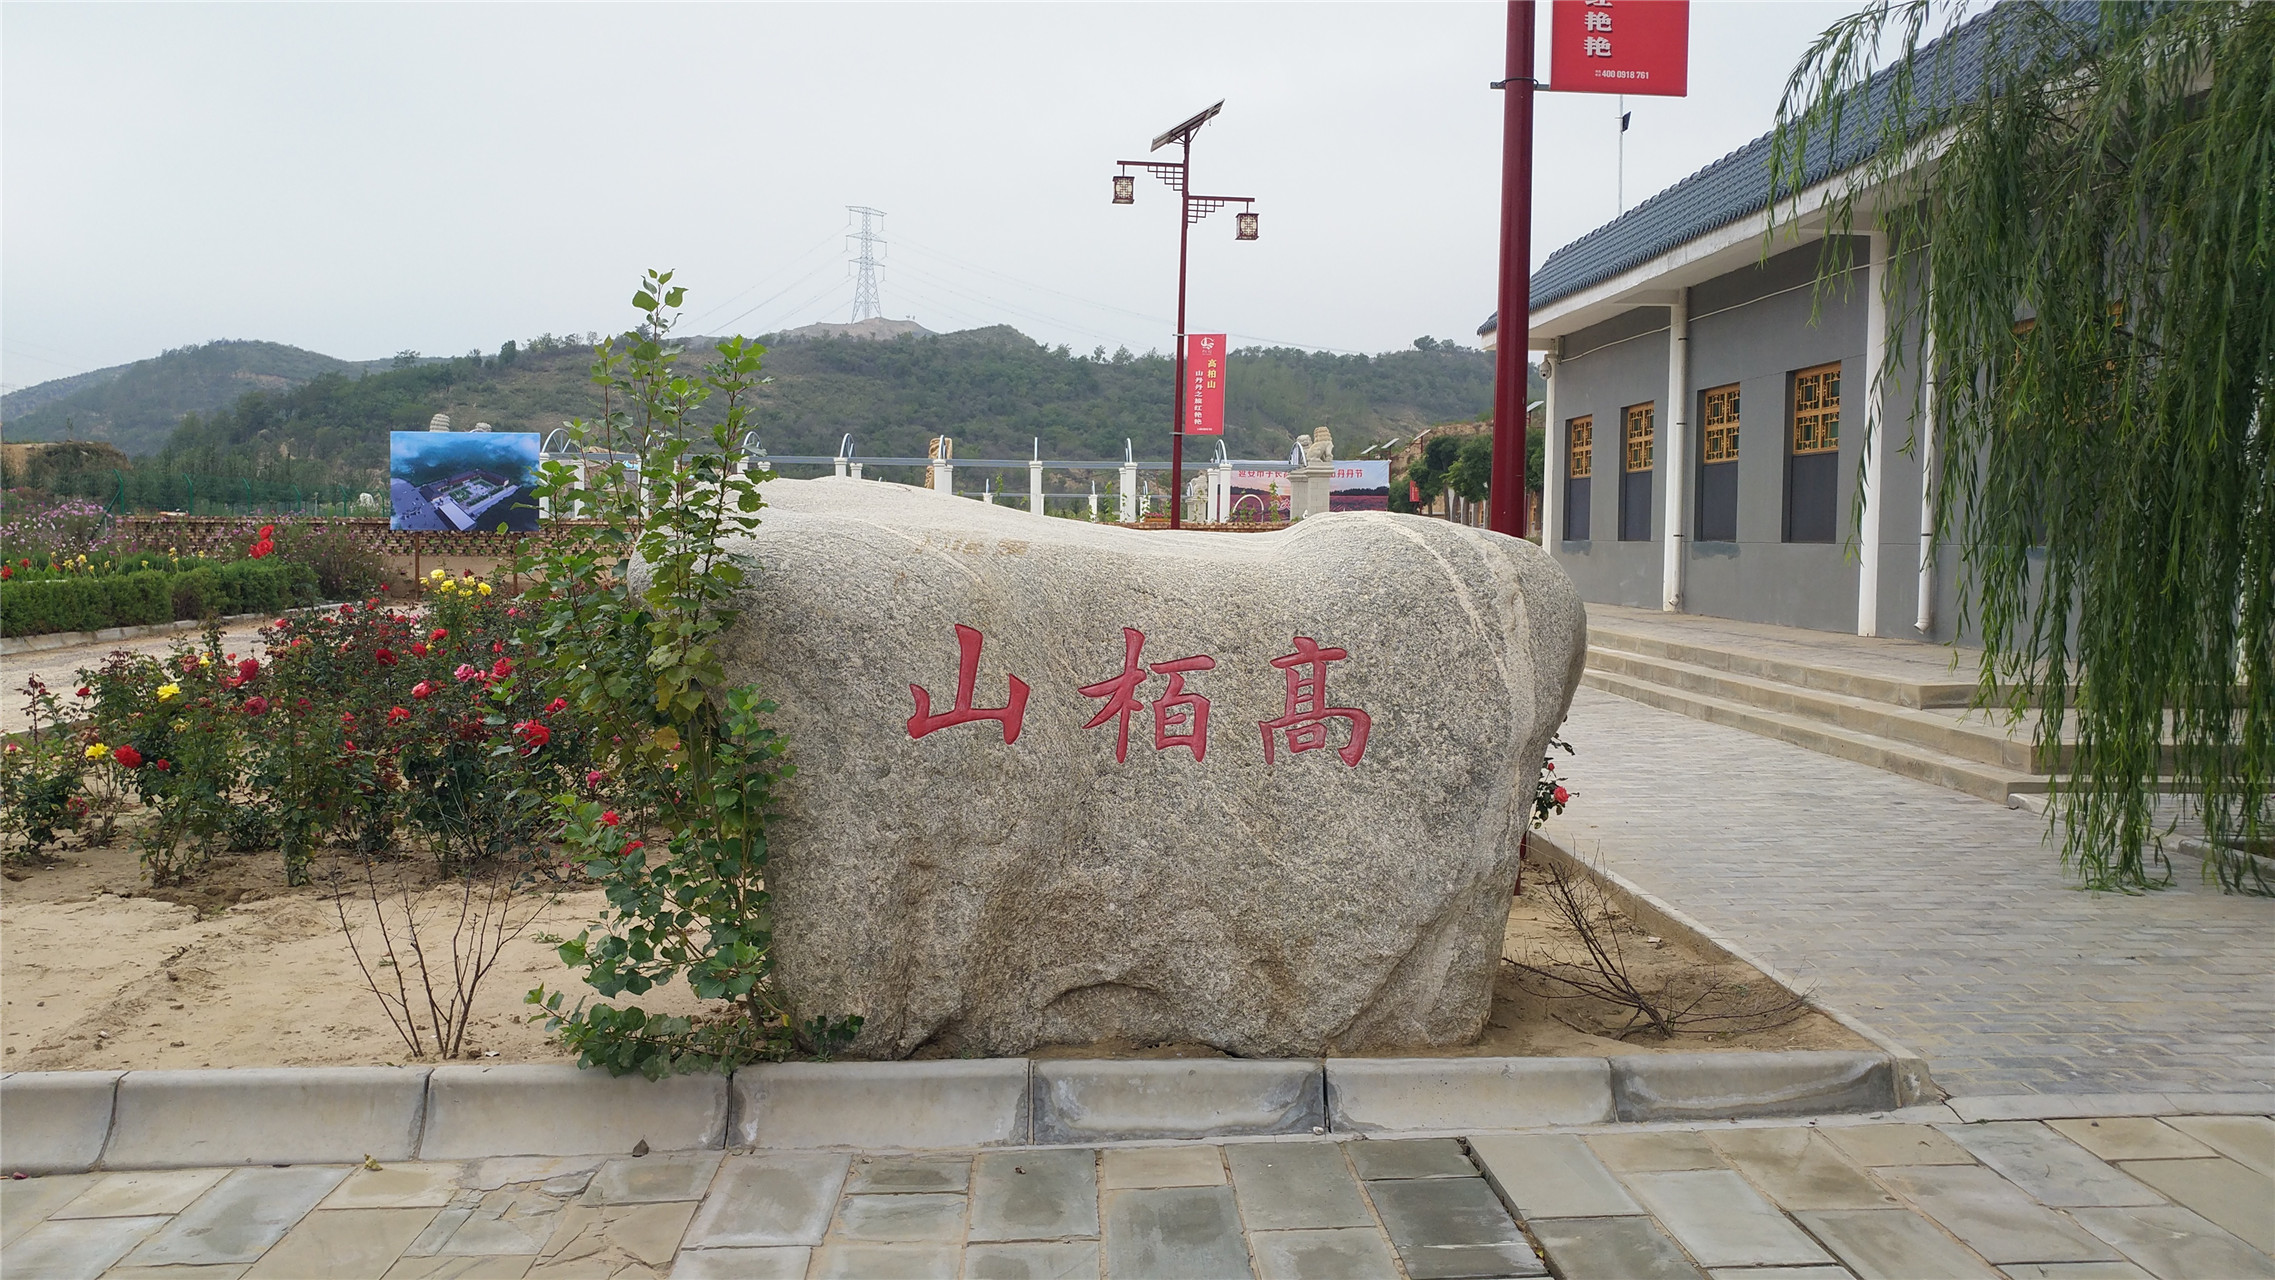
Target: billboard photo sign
463,482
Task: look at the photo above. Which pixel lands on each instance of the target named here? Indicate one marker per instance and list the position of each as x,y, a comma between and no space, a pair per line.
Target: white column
1552,458
1035,479
1130,511
1925,622
1094,502
1674,454
855,469
1875,435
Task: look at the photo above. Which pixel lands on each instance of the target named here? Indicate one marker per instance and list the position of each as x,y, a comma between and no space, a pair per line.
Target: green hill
135,407
994,390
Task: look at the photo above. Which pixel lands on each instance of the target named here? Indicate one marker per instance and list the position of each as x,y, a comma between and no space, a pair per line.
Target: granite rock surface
1324,862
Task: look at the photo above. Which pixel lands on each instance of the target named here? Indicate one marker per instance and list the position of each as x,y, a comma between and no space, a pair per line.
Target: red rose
164,765
347,746
439,633
497,646
386,657
396,715
466,671
630,845
556,706
502,668
249,668
267,529
1561,795
6,572
256,706
86,692
609,819
533,733
347,717
419,649
128,756
423,689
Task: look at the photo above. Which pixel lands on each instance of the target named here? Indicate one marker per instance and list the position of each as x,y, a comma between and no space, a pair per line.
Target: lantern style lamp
1125,189
1247,227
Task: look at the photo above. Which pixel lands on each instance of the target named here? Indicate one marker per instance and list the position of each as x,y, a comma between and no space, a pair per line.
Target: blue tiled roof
1737,186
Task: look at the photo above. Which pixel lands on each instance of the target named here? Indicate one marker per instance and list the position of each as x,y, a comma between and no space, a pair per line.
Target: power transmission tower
865,301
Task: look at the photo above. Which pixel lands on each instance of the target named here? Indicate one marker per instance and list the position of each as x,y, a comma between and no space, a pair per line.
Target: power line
763,280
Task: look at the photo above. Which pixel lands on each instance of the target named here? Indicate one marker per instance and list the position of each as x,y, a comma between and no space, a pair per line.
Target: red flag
1633,46
1204,384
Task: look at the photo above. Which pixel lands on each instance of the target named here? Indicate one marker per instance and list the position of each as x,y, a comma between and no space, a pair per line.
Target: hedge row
153,595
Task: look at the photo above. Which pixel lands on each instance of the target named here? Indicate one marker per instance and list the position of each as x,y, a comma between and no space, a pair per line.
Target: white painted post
1035,479
1674,453
1130,511
855,468
1552,454
1094,502
844,455
1875,436
1924,623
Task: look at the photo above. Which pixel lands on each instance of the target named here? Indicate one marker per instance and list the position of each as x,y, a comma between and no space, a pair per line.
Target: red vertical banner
1204,384
1619,46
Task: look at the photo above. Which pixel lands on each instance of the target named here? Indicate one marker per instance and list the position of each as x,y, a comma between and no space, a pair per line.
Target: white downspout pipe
1674,453
1925,622
1875,436
1552,455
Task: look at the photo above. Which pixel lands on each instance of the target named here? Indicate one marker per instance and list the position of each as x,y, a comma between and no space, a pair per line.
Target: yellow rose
166,691
438,575
98,751
482,587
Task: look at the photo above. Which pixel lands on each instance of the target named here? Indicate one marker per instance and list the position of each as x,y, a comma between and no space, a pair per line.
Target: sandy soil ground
95,972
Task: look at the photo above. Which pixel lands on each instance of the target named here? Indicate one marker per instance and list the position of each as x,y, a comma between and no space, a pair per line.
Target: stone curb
1913,1083
979,1102
73,1121
10,646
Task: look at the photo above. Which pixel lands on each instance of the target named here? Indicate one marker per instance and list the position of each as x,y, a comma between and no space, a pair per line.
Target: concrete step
1827,676
1910,760
1975,736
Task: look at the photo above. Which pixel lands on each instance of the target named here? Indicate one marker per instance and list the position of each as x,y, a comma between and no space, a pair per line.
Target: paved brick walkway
1939,919
2179,1198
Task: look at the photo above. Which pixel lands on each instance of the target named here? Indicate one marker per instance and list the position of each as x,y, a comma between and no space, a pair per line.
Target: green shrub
93,602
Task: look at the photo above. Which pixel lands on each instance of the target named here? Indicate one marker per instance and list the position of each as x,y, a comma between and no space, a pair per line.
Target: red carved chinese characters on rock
1307,714
1010,715
1180,719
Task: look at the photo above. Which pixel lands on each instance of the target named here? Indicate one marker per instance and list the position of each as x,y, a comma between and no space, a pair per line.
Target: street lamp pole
1512,343
1191,209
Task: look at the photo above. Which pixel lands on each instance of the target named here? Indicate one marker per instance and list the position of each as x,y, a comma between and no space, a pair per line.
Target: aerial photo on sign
461,482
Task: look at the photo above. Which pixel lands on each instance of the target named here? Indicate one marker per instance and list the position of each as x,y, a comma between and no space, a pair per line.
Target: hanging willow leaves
2083,198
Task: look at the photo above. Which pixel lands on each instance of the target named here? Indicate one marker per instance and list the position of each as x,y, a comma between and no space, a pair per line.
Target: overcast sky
361,180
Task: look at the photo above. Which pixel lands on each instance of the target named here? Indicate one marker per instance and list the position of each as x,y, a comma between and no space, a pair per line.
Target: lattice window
1817,409
1721,419
1580,436
1640,434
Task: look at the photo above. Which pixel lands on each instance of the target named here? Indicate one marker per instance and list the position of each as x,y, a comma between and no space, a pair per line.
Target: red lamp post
1194,208
1512,342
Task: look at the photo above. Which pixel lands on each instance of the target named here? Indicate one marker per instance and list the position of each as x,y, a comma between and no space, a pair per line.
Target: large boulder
1324,863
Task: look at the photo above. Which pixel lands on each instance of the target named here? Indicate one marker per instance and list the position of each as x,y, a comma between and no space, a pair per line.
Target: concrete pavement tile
400,1186
1992,1217
1799,1169
1551,1175
1722,1221
1622,1248
1654,1152
80,1249
506,1221
1380,1158
1035,1195
2248,1139
141,1193
902,1219
1444,1227
2049,1167
1173,1231
2238,1198
894,1174
876,1261
1126,1167
2131,1138
342,1242
773,1198
2054,1106
1779,1273
781,1262
611,1239
1893,1244
240,1217
505,1171
214,1271
1056,1260
1878,1146
1296,1185
26,1202
1335,1253
682,1175
2223,1104
2075,1271
493,1266
2173,1243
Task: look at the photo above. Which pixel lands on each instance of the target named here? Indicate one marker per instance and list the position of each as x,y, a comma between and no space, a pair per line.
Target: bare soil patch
238,970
